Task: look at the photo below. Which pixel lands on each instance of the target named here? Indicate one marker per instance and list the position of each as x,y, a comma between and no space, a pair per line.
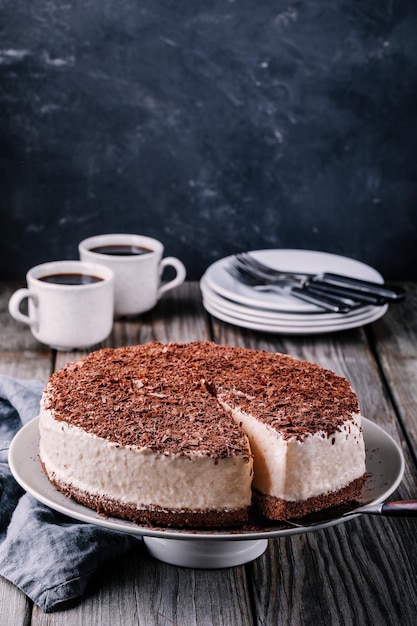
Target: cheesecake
201,435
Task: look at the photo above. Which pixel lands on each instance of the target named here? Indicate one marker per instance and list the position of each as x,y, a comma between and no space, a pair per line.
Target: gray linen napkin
50,557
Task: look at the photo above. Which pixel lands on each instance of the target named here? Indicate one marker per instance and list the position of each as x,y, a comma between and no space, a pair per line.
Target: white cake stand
203,549
204,554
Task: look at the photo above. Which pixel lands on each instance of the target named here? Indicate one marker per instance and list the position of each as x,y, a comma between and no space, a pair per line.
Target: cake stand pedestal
203,553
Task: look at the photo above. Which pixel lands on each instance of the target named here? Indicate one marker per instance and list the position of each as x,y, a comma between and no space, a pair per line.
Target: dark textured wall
215,126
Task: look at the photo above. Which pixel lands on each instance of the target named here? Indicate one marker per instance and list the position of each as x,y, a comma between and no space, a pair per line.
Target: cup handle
179,267
14,306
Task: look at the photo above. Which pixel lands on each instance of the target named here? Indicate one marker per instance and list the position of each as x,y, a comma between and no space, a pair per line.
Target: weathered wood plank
395,342
178,316
15,608
345,575
14,336
138,590
21,356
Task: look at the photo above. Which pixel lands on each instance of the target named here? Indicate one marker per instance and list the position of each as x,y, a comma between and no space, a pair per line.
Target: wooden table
360,572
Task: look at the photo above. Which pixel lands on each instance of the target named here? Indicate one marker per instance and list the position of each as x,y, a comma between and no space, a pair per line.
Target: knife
358,297
357,286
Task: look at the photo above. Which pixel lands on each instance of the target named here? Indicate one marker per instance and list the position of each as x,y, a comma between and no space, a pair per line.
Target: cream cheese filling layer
300,468
140,476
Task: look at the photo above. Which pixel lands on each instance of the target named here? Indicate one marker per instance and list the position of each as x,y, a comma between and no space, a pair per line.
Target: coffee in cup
138,264
70,303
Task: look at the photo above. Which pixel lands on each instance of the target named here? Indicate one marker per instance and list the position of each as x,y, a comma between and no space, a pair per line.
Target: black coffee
70,279
121,249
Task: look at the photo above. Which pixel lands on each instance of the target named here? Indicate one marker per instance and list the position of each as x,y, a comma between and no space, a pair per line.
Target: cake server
399,508
326,281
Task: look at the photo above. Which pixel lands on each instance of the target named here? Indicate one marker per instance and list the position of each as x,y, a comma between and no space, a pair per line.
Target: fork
335,284
287,287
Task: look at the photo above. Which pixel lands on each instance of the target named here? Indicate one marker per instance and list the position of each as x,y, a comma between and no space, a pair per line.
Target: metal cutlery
345,292
290,287
322,283
400,508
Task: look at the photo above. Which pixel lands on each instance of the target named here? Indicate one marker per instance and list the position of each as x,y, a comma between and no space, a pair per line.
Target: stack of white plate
230,301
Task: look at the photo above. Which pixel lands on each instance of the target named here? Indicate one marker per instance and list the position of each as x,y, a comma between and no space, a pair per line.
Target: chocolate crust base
277,509
154,516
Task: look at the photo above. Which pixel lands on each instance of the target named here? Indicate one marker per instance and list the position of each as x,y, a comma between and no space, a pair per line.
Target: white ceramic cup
67,316
138,276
